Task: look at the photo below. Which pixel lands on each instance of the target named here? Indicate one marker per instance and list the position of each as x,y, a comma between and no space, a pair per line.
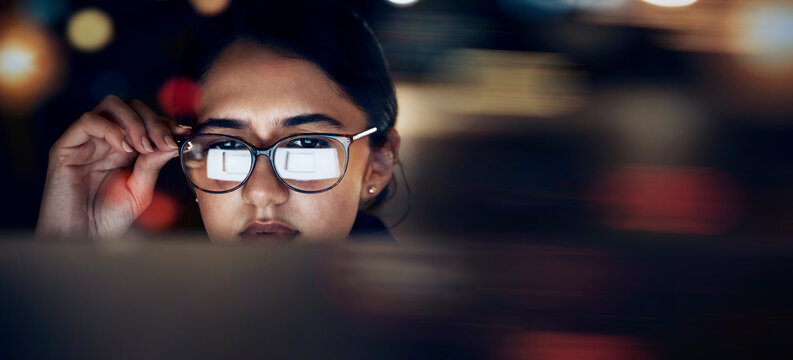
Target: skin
234,89
90,190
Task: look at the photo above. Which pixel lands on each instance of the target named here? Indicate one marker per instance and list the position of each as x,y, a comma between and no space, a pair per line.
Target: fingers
160,129
156,129
90,125
144,176
127,128
143,128
176,128
117,110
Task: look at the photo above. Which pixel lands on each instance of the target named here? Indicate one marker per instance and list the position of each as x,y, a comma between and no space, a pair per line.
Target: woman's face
257,90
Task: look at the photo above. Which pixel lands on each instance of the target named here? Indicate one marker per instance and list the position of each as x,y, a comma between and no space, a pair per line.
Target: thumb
144,175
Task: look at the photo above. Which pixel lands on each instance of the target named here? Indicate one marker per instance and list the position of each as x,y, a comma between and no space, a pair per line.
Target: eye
308,143
227,145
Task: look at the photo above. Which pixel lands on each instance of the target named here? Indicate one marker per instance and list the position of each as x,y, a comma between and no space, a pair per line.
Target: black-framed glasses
306,163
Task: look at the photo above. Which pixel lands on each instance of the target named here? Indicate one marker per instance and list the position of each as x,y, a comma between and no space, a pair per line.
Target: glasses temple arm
365,133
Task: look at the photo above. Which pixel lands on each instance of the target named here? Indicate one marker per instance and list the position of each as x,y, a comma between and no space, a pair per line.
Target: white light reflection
403,2
767,30
670,3
16,62
764,40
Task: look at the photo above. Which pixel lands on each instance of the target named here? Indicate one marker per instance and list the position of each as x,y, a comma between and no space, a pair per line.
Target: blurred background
629,159
519,117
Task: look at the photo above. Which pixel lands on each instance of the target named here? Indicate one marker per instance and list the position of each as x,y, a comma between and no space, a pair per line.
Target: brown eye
308,143
227,145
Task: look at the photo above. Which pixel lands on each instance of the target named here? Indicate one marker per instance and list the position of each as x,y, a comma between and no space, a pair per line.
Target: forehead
252,83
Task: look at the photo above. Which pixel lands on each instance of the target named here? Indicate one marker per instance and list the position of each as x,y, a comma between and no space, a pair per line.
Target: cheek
329,215
218,214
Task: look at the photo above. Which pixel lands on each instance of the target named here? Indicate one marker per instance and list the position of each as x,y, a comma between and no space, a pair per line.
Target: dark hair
328,33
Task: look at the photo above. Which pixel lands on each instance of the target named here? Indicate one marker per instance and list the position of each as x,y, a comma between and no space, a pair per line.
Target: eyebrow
221,123
310,119
298,120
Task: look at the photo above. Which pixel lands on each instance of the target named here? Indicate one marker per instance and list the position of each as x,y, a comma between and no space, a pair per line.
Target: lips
269,231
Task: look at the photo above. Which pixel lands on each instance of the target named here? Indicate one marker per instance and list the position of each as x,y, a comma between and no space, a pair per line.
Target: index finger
90,125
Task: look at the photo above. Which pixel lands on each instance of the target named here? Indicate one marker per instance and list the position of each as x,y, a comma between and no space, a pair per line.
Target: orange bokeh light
210,7
30,64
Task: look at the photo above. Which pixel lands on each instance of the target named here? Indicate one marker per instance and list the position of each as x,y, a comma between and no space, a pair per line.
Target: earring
371,189
196,200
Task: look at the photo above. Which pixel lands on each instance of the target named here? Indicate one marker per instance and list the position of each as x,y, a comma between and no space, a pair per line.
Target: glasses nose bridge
265,152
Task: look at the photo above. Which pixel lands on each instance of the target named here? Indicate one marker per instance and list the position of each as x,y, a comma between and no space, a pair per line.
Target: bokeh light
16,62
403,2
30,64
763,40
552,345
670,3
669,199
507,86
90,29
210,7
161,213
179,96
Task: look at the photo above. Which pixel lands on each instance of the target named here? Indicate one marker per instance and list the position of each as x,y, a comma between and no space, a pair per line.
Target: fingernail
146,144
126,146
169,141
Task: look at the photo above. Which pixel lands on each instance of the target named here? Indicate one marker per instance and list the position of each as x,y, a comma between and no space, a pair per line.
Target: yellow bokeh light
90,29
209,7
670,3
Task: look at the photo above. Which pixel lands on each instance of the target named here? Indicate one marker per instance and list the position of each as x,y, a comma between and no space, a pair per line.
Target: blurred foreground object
183,299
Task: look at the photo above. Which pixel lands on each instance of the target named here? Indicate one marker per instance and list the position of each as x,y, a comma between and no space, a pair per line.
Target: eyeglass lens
307,163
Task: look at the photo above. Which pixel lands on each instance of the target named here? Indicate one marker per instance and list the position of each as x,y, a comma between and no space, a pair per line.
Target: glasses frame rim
345,139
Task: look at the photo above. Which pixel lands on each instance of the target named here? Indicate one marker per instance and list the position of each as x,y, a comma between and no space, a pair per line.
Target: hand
90,190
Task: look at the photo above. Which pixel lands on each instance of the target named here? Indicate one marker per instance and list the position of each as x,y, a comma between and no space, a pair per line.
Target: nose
263,188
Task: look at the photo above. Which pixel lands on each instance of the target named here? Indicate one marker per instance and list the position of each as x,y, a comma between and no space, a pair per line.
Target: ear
381,167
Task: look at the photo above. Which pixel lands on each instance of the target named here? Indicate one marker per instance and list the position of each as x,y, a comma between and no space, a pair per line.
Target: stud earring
371,189
196,200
